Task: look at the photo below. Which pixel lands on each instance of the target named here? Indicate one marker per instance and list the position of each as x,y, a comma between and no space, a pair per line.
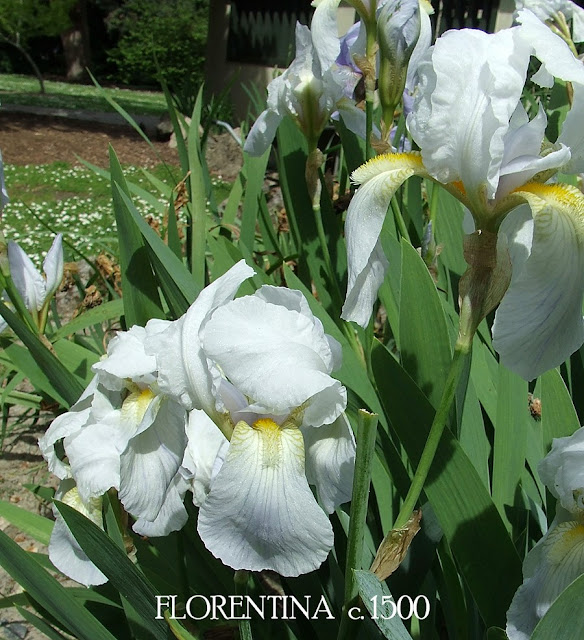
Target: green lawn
58,197
24,90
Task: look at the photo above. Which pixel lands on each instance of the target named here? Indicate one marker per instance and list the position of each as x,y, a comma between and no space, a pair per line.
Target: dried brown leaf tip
394,547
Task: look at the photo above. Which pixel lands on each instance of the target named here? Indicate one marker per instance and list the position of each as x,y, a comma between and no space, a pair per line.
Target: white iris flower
123,434
64,551
309,90
35,289
477,141
260,367
558,558
549,9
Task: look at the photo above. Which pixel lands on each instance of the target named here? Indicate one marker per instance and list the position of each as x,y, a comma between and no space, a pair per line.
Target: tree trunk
30,61
75,42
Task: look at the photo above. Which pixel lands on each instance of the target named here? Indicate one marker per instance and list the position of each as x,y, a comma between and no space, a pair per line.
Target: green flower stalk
398,31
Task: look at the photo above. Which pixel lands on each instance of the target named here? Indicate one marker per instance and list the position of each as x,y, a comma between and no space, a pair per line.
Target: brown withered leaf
182,194
394,547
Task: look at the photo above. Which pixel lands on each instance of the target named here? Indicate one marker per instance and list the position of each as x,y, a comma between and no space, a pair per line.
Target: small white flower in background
260,367
548,10
35,289
477,141
3,193
123,434
558,558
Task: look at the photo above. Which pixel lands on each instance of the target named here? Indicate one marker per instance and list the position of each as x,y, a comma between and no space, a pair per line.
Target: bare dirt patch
31,139
39,139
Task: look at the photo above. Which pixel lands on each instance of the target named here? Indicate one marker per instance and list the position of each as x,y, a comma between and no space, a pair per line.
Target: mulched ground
32,139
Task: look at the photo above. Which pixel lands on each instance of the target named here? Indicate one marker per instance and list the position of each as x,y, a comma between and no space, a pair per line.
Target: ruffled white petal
280,359
562,471
64,551
561,562
126,358
205,453
260,513
379,179
539,322
522,143
94,456
330,461
572,134
62,426
554,53
152,459
183,371
467,95
26,278
295,301
262,133
577,23
325,32
172,516
53,266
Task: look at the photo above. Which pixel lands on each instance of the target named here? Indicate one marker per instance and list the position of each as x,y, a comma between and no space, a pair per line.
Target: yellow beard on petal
408,162
135,405
547,199
271,441
566,539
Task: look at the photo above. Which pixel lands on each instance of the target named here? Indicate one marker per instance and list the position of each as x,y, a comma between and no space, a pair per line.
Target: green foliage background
163,40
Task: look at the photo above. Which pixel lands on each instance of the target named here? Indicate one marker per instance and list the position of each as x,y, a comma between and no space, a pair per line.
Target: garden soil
33,139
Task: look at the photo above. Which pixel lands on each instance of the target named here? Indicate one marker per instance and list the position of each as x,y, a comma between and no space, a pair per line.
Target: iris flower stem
461,352
370,55
366,436
399,220
368,125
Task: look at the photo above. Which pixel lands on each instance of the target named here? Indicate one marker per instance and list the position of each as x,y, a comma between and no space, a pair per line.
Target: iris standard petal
183,372
260,513
280,359
539,322
324,29
126,359
553,52
464,104
332,354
